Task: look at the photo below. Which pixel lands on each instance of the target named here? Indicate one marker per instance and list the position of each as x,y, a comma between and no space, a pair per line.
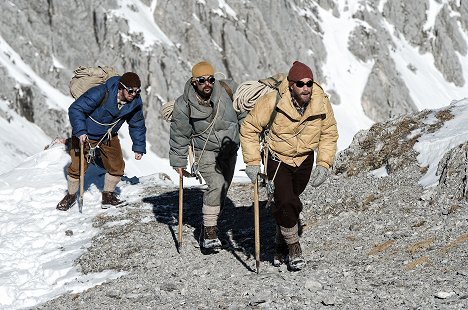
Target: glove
252,172
319,175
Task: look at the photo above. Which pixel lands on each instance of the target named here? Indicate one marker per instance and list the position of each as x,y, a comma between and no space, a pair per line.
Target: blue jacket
88,104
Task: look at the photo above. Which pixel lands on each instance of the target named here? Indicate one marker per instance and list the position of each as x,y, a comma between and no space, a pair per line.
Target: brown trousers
289,182
110,154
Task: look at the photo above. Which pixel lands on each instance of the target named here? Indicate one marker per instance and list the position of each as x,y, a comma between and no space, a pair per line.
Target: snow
38,258
345,74
426,84
431,13
24,75
140,19
432,147
29,138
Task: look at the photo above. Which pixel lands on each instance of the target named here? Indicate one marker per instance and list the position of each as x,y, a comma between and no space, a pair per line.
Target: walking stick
181,204
257,225
80,207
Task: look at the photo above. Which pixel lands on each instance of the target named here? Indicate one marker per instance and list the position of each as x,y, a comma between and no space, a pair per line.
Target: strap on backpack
227,89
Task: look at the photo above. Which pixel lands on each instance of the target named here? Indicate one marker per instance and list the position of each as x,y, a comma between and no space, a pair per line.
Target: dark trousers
110,154
289,182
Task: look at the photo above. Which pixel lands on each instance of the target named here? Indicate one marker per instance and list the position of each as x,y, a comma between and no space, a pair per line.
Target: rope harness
90,157
195,164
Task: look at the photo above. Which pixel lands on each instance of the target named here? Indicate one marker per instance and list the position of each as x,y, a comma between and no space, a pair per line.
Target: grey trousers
217,171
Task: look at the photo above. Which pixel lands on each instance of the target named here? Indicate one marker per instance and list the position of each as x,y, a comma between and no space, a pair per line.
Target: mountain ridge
245,40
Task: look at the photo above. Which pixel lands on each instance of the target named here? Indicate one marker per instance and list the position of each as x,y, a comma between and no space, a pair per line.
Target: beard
303,97
205,92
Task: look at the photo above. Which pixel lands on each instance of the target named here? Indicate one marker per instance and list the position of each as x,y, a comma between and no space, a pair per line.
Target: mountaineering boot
281,252
281,248
210,238
109,199
67,202
295,260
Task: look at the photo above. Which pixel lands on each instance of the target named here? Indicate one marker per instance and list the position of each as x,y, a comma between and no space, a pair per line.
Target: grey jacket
192,120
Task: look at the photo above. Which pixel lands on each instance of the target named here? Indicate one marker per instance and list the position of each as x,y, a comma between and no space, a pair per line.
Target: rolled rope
166,110
247,93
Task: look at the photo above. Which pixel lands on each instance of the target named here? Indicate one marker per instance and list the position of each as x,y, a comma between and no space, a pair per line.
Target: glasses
130,90
201,79
301,84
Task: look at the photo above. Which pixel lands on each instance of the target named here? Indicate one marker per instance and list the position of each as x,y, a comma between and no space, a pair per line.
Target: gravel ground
369,242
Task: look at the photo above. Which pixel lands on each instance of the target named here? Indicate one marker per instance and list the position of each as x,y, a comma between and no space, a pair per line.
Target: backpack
243,99
86,77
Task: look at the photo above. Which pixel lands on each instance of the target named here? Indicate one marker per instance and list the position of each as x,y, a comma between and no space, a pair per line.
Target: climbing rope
247,94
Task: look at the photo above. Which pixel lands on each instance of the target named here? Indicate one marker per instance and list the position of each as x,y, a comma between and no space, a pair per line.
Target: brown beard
299,98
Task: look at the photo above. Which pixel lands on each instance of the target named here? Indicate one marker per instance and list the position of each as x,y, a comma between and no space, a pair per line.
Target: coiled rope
166,110
248,92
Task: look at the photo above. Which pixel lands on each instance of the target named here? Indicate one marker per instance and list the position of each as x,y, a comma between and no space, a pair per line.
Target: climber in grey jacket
204,118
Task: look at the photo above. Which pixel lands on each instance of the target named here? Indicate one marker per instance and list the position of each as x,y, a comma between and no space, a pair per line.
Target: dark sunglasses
201,80
301,84
130,90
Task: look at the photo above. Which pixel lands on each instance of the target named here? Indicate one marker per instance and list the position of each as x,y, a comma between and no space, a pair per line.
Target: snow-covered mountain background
376,60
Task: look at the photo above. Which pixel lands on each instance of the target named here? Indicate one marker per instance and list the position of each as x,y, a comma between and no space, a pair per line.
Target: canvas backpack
86,77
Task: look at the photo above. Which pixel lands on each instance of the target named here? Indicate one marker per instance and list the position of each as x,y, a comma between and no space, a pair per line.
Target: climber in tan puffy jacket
303,123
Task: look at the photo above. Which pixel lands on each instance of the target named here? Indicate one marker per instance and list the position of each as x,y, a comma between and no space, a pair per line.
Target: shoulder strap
273,114
226,88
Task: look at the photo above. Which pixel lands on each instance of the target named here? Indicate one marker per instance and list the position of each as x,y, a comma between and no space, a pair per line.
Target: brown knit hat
130,79
202,68
298,72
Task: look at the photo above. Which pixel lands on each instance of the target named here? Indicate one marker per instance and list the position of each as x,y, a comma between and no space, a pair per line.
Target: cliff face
242,39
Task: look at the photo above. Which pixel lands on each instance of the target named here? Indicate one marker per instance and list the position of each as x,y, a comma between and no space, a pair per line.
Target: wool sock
210,215
290,234
73,185
110,182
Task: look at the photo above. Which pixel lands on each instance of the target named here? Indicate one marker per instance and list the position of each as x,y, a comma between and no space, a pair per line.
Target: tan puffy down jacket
292,137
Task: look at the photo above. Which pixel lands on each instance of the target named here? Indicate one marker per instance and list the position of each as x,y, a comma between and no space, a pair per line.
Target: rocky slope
244,39
370,242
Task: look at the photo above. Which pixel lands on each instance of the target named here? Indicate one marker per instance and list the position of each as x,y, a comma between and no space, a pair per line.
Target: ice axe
181,209
80,207
257,224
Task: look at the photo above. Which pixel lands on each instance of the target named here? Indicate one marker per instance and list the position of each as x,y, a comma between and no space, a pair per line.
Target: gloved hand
252,172
319,175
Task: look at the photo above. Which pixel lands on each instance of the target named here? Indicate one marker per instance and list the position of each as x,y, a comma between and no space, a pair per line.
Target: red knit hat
130,79
298,72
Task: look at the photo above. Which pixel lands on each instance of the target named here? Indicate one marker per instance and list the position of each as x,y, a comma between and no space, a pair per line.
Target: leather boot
67,202
281,253
109,199
295,260
210,237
